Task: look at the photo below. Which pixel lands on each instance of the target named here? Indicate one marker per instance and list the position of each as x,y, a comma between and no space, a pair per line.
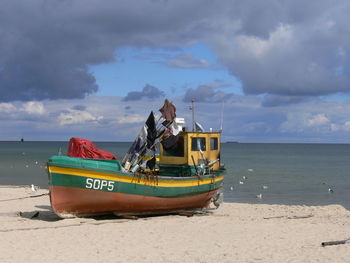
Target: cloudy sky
279,71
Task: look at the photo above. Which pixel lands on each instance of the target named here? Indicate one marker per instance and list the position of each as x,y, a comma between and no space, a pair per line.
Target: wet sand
31,232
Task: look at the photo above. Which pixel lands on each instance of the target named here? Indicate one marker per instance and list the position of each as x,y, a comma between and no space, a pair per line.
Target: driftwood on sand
332,243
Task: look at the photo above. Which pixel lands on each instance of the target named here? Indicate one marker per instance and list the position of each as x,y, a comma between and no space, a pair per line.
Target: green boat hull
88,186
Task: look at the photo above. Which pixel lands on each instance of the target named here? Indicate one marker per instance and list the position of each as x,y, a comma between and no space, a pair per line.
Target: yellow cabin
192,153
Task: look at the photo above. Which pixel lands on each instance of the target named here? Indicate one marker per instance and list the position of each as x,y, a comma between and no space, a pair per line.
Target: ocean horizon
279,173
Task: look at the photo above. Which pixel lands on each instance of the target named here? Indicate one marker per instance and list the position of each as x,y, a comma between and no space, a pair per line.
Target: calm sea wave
300,174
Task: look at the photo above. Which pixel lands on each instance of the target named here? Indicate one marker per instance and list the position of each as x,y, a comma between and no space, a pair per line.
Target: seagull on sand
33,188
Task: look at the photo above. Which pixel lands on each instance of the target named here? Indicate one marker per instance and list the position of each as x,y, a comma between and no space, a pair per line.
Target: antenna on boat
193,121
222,116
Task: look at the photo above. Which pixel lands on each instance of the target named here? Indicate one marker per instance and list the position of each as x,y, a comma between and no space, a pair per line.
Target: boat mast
222,116
193,121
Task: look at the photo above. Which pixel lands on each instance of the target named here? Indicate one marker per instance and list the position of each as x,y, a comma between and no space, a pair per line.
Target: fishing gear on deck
149,138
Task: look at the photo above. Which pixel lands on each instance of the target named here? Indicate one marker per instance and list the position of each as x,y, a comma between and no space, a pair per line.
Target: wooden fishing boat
188,176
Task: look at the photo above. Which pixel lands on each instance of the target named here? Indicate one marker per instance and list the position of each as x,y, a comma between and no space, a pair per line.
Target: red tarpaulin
83,148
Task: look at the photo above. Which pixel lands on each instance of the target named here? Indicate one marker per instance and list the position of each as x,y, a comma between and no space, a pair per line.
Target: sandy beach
232,233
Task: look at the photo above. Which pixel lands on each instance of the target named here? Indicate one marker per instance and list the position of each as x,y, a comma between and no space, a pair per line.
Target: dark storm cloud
46,45
148,91
206,93
40,55
289,47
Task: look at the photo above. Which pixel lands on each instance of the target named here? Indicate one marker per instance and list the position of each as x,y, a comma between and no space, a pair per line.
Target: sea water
299,174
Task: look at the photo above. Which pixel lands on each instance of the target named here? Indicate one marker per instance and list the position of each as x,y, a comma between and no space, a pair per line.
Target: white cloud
7,107
257,46
347,126
34,108
305,122
342,127
103,118
135,118
318,120
77,117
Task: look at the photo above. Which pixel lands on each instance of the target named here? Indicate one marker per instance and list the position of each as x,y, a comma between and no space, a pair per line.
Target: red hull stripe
78,201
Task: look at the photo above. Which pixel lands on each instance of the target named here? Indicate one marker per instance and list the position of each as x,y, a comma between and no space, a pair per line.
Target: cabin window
175,150
214,143
198,144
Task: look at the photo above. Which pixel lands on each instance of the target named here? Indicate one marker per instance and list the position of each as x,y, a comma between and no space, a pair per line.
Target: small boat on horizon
187,176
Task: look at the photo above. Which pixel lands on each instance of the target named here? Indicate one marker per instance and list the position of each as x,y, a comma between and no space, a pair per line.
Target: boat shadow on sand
46,214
